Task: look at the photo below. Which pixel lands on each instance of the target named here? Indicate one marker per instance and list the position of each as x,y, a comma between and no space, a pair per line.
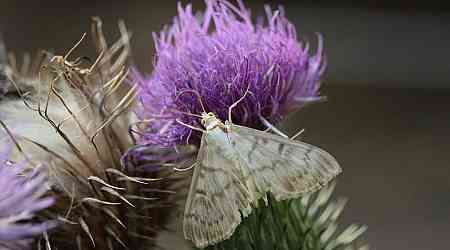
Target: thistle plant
99,151
207,64
308,223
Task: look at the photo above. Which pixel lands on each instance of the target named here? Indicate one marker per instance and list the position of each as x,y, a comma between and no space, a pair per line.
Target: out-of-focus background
387,118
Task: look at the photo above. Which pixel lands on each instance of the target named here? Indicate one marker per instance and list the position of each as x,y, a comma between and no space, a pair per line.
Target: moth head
209,120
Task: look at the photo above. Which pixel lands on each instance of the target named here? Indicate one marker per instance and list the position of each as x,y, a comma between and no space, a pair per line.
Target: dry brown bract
71,70
76,120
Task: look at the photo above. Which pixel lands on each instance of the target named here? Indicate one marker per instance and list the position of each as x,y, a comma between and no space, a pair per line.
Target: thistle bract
213,60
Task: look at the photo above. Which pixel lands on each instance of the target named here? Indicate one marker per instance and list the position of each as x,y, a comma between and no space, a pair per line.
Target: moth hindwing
236,166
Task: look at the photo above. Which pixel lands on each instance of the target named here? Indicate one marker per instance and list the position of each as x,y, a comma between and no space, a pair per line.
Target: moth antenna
196,93
190,126
232,106
74,47
187,113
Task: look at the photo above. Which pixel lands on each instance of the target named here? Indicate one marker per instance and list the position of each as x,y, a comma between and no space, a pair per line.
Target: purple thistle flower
213,60
20,198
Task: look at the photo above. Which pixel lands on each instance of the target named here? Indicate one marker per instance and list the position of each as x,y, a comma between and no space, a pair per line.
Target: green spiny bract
307,223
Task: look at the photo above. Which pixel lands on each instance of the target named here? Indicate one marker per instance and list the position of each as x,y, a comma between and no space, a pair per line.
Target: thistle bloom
20,198
214,60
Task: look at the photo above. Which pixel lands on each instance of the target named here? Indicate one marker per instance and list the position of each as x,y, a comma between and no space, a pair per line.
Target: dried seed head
81,131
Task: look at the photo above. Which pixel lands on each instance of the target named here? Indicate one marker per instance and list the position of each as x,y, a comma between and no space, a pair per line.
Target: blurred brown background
387,119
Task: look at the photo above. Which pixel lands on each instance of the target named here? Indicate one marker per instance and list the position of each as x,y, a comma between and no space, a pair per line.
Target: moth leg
190,126
278,132
298,134
272,127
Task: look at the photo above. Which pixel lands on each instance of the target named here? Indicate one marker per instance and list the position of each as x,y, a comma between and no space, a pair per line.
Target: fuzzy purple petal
213,60
21,196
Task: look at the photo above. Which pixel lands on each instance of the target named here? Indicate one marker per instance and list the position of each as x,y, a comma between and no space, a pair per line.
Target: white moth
236,166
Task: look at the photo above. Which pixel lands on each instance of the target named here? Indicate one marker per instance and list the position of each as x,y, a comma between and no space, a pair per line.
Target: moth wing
284,167
216,196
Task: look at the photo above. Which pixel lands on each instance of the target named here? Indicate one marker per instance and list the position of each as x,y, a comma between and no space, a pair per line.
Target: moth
236,166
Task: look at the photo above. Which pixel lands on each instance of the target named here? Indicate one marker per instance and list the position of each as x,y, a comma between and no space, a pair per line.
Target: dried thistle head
76,118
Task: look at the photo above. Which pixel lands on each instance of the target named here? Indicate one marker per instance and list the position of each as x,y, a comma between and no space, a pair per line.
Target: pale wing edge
330,163
189,223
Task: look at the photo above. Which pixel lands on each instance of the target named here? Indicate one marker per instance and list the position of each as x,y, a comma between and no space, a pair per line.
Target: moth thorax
210,121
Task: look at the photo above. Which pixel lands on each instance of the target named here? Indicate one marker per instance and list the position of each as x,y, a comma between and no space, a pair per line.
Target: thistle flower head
214,59
21,197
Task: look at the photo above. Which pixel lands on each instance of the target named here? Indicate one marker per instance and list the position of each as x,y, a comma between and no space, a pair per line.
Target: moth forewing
217,194
236,166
